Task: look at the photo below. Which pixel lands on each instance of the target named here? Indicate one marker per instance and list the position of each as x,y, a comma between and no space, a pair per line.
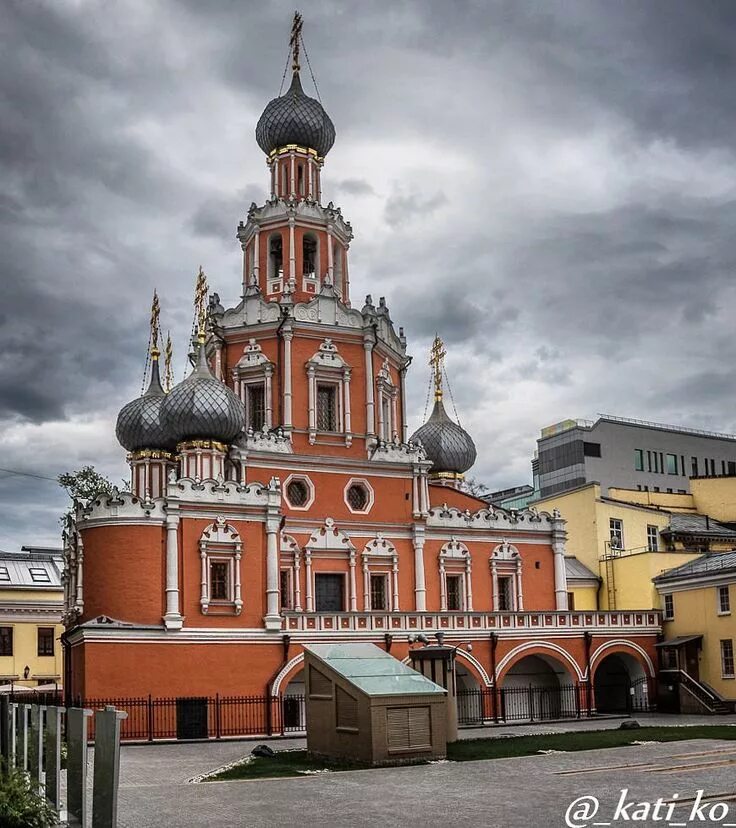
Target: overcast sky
548,185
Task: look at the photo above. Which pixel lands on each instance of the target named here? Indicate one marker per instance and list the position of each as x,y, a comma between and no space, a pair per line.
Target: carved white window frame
329,542
387,395
220,542
381,558
359,481
327,367
251,369
454,559
505,562
291,559
310,488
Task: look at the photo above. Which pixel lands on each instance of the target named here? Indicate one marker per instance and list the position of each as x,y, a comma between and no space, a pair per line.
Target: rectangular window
639,459
378,592
571,601
661,462
256,401
732,467
724,601
649,461
45,641
284,590
655,488
505,603
219,581
6,641
713,468
652,538
669,607
328,592
671,464
326,408
591,449
694,466
616,528
454,593
727,669
682,466
4,574
723,466
39,575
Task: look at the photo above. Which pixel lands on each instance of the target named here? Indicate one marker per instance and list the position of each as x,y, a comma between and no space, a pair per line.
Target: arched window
220,550
275,264
310,258
380,576
337,277
300,179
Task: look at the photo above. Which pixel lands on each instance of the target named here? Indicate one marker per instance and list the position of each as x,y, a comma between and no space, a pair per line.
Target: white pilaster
273,617
173,619
287,379
420,590
370,427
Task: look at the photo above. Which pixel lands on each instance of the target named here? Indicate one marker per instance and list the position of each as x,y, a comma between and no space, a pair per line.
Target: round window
297,493
358,497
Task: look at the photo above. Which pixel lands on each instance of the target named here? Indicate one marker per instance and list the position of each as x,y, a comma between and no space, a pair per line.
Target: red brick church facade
278,499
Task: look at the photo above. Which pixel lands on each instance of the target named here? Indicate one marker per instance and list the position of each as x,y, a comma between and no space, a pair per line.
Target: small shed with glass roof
366,706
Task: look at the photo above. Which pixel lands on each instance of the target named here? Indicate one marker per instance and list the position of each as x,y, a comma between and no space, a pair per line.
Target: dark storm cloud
550,186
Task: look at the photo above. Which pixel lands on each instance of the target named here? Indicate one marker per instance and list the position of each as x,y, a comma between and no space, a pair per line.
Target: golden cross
155,313
436,360
200,294
168,354
296,33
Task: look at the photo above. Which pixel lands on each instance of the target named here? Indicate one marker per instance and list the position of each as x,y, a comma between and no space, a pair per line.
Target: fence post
577,700
531,703
150,718
76,763
35,747
218,732
52,751
107,767
22,725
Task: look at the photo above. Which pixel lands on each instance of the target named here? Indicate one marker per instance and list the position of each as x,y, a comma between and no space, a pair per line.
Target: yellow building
629,537
699,601
31,604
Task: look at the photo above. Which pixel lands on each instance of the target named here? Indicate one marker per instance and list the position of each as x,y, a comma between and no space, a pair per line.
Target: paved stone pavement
531,791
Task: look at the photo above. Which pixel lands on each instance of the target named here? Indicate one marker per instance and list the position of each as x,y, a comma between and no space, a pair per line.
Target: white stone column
273,617
366,587
379,406
424,493
346,295
395,581
274,167
172,619
370,426
346,396
330,257
238,596
394,418
402,391
292,250
519,588
420,589
79,600
558,547
287,379
416,510
256,255
292,176
297,582
308,581
269,396
312,390
310,170
494,580
204,598
353,591
443,587
468,585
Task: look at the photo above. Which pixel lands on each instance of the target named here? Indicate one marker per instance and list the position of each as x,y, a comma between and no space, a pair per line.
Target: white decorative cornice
492,518
123,506
253,357
327,356
329,538
216,492
381,451
271,441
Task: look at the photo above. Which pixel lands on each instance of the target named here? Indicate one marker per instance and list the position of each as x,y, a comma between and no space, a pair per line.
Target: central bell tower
292,245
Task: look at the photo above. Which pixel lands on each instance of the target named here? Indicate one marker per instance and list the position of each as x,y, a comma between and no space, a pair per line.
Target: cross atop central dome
295,118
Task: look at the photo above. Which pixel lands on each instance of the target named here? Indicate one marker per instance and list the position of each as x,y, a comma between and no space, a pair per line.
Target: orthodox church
277,497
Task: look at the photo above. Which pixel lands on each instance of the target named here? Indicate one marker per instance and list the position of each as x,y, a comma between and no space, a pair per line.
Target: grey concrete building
630,454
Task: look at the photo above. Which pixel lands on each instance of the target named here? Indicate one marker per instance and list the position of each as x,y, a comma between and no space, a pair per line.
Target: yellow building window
6,641
724,601
45,641
727,667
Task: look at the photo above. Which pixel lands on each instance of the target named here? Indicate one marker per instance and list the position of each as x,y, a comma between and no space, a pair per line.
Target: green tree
85,483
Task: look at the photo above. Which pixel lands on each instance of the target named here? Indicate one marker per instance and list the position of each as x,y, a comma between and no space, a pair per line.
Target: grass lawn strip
300,763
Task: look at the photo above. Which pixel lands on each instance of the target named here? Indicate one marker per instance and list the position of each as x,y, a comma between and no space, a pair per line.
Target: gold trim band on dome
201,444
296,148
150,454
446,476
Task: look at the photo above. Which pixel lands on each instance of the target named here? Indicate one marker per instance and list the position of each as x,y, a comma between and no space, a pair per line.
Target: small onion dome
295,118
449,447
139,422
202,408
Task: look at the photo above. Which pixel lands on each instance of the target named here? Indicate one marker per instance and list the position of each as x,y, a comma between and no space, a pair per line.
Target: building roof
31,568
711,564
587,425
686,523
678,640
372,670
578,571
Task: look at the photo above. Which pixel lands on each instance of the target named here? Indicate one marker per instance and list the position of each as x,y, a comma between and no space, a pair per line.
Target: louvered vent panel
397,728
420,731
347,709
408,728
319,684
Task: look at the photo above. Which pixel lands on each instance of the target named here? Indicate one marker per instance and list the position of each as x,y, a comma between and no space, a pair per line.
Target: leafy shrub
21,806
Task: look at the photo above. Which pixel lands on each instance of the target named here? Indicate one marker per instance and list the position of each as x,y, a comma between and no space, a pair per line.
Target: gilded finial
168,355
296,33
200,295
155,331
437,361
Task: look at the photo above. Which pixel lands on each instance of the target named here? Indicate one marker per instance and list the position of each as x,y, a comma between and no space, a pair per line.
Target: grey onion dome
202,408
295,118
139,422
448,445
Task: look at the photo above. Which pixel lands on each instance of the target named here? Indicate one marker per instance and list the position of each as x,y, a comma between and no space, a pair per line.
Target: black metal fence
537,703
205,717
